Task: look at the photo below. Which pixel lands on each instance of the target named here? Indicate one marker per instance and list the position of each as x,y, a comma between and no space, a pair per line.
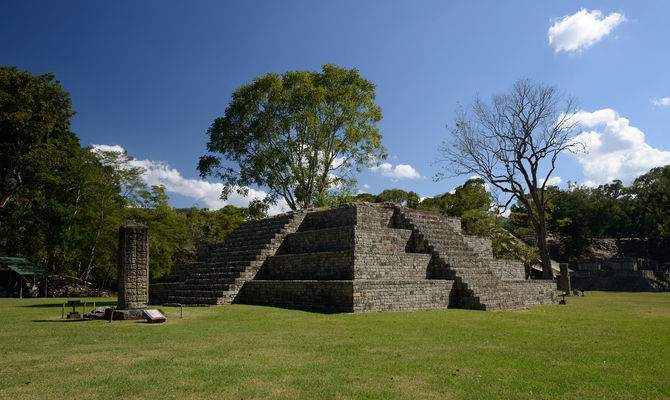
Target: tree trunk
541,234
89,267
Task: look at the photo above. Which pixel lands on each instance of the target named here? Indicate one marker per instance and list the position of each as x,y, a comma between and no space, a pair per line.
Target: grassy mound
604,345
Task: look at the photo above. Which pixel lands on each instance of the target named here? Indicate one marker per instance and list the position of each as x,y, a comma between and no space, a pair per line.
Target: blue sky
151,76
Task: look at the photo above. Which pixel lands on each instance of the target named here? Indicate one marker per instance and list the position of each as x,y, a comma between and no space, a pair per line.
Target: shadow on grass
59,305
62,320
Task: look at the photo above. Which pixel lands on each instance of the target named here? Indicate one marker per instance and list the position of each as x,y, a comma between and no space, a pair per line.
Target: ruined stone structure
354,258
628,274
133,266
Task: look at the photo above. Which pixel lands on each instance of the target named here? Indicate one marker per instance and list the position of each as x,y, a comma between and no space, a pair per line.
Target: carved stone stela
133,267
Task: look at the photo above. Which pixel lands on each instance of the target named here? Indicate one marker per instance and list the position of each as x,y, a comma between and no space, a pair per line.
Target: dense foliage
641,210
62,204
301,134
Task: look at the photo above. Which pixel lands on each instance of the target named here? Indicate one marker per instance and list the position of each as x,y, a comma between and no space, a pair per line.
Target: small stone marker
74,314
153,315
565,278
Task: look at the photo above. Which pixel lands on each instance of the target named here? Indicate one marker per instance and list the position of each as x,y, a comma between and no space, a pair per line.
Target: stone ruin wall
353,258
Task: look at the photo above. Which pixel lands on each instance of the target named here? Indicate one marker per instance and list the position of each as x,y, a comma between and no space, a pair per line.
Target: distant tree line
641,210
61,204
574,215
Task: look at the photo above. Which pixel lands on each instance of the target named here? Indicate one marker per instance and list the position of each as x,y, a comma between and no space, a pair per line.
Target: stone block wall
350,296
616,280
323,296
410,295
374,217
508,270
480,245
355,258
341,216
338,238
335,265
398,266
382,240
534,292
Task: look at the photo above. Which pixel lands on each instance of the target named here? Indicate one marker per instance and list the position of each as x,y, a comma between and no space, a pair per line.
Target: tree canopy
300,134
62,204
34,112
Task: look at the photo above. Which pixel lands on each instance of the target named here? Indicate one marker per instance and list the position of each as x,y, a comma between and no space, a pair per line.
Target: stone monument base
120,315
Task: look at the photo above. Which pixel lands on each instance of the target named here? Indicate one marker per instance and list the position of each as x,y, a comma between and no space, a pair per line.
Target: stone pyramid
354,258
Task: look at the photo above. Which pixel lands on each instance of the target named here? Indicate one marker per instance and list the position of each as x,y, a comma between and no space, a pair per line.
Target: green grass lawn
604,345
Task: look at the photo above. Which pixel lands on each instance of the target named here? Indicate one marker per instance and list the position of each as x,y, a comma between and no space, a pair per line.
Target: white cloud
366,186
106,147
487,186
665,101
582,29
553,181
160,173
616,150
400,171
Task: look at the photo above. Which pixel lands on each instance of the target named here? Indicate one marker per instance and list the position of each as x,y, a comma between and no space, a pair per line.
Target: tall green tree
407,199
652,192
33,110
300,134
473,204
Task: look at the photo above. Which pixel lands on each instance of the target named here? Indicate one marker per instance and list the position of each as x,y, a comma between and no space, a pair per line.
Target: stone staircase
223,268
479,280
353,258
349,259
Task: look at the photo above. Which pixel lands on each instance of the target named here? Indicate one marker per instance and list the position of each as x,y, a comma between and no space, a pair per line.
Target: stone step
199,293
244,246
251,231
218,275
209,284
218,270
338,238
195,301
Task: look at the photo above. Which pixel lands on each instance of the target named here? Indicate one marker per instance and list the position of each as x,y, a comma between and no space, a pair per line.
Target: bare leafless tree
513,143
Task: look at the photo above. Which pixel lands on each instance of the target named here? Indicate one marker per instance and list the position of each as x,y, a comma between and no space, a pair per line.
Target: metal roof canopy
22,266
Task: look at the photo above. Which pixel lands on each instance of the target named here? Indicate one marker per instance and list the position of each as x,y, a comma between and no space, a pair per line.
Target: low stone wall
626,281
349,296
399,266
341,216
370,296
534,292
508,270
311,241
454,223
480,245
337,265
323,296
381,240
377,216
